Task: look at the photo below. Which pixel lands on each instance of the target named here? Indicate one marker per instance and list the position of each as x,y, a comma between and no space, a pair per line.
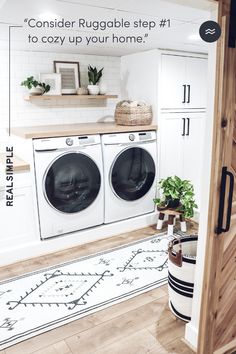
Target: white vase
35,91
93,89
102,88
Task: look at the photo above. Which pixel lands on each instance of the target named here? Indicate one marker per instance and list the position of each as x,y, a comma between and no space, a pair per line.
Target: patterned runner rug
37,302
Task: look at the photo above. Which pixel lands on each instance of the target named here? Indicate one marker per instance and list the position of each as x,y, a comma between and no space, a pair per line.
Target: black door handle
188,126
184,123
220,227
189,88
184,100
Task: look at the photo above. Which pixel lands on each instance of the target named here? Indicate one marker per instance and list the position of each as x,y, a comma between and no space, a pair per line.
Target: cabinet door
17,222
171,147
196,79
193,150
173,73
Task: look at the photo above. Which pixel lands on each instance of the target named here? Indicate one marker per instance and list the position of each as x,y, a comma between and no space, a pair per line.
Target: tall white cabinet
182,117
175,85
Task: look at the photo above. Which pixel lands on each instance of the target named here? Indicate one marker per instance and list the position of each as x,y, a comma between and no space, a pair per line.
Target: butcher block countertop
51,131
19,165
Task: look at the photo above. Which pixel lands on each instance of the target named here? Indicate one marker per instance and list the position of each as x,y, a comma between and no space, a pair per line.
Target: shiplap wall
25,64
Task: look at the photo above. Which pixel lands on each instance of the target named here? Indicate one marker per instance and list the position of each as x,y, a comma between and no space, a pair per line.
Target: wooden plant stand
171,220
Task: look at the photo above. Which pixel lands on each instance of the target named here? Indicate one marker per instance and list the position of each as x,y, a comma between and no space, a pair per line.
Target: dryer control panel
129,138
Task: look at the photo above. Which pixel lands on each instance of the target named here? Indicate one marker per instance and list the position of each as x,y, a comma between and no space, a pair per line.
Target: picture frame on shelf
54,80
70,76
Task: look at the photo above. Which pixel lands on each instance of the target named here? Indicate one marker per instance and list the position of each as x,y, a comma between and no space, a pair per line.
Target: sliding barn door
217,332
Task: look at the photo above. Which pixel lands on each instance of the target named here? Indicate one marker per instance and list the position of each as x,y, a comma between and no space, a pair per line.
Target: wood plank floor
143,324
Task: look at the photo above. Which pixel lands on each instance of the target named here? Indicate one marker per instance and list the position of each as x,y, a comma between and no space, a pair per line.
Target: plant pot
93,89
162,207
102,88
35,91
172,203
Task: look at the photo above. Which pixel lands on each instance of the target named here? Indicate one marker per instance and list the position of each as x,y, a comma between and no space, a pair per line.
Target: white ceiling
185,22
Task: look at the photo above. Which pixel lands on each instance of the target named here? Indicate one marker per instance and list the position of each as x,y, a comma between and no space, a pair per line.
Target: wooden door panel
234,148
234,208
218,311
234,156
226,332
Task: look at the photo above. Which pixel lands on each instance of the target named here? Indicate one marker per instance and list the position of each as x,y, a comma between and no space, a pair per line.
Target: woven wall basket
140,115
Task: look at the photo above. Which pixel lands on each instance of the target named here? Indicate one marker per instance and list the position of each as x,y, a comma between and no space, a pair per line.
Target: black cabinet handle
189,88
188,126
184,123
220,227
184,100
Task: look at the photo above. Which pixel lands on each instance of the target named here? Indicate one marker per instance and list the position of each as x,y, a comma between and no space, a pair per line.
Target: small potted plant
176,194
94,76
35,87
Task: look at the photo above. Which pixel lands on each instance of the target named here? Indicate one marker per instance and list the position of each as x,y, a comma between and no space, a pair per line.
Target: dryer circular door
72,182
132,174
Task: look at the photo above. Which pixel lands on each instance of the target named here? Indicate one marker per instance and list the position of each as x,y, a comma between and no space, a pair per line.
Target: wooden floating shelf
68,97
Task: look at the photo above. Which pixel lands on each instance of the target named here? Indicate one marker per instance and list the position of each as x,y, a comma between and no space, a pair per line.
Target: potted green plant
94,76
35,87
178,194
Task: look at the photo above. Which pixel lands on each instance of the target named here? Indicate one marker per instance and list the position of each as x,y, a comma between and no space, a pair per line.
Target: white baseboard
196,216
191,335
38,248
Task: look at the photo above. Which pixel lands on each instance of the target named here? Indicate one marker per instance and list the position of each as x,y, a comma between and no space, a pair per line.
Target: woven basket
140,115
181,271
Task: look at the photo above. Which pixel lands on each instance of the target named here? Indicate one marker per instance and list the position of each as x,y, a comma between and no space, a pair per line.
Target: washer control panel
131,137
66,142
69,142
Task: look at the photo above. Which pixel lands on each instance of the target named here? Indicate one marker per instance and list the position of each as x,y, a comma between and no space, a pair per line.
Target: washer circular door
132,174
72,182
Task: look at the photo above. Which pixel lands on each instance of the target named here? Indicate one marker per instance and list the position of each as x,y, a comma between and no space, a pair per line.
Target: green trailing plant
30,82
94,75
174,189
45,87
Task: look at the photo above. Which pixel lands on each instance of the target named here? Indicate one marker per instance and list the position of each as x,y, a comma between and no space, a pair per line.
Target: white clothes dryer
69,184
130,161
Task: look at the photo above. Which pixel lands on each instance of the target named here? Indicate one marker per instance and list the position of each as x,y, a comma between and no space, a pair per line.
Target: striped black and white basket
182,261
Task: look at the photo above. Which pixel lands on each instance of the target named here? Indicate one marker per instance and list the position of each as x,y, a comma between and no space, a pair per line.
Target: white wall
136,71
25,64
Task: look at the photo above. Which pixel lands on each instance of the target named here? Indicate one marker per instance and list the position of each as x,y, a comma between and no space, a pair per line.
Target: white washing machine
69,183
129,174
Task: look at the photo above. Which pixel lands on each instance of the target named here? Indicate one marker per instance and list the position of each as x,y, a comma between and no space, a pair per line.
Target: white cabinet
181,147
193,150
172,145
173,74
17,221
196,79
183,82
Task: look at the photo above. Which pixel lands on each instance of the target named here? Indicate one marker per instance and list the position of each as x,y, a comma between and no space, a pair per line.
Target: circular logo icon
210,31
